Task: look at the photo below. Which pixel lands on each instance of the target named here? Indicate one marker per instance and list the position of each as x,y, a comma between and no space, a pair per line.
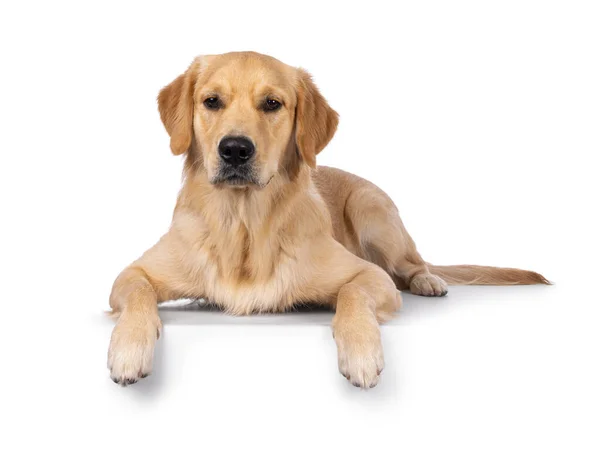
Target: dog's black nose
236,150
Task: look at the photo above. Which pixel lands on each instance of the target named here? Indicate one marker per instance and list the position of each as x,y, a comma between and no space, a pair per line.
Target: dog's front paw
428,285
360,354
131,349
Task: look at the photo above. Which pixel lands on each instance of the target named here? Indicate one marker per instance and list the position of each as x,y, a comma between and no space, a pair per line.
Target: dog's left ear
316,121
176,107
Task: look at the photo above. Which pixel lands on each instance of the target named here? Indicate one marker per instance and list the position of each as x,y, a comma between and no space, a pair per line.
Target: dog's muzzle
236,165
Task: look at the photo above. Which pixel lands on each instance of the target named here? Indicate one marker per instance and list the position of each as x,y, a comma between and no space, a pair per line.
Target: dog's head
243,117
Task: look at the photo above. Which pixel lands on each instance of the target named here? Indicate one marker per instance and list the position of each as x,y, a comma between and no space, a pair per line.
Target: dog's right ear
176,107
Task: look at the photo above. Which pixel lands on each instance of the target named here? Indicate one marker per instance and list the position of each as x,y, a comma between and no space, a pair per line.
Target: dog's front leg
363,295
133,339
159,275
369,296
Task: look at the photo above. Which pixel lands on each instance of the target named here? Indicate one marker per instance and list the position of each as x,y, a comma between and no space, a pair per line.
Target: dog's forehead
246,69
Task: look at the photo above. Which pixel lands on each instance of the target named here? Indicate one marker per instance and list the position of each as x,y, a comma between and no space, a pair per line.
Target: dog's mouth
237,180
235,176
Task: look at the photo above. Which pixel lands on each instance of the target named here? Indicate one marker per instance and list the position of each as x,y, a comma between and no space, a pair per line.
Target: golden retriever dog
258,227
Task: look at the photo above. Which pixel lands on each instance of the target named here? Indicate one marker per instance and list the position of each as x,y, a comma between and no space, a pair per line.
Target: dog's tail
467,274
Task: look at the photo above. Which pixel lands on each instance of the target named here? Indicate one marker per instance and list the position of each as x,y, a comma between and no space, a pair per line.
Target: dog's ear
316,121
176,107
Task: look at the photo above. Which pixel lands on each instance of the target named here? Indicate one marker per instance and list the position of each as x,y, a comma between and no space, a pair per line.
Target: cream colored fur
299,235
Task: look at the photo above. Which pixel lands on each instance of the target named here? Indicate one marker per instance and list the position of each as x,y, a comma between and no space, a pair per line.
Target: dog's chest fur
238,269
248,253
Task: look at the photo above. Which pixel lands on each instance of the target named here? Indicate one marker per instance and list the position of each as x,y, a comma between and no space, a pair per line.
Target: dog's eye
213,103
271,105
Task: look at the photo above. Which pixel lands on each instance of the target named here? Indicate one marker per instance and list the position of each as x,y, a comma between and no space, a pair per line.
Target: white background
480,119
